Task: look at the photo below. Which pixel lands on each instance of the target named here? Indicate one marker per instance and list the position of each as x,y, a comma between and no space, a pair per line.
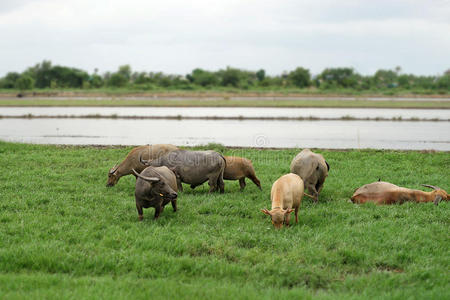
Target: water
324,113
336,134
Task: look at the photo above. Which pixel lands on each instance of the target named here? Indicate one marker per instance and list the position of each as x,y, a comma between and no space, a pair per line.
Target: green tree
260,75
230,77
96,81
300,77
203,78
385,79
125,70
24,82
117,80
443,81
338,77
9,81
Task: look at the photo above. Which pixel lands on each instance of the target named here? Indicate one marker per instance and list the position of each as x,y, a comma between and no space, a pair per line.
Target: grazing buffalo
313,169
193,167
381,192
237,168
131,162
155,187
286,195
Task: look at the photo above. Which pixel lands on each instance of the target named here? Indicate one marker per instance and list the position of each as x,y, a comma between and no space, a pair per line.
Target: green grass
63,234
229,103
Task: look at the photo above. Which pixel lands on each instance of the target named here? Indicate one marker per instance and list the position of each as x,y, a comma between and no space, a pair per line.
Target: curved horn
150,179
144,162
114,169
431,186
307,195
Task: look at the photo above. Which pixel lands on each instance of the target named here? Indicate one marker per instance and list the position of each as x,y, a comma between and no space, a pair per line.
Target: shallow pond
245,112
336,134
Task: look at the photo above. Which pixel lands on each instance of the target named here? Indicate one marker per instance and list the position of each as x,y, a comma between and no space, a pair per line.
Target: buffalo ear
265,211
288,211
174,170
328,166
437,199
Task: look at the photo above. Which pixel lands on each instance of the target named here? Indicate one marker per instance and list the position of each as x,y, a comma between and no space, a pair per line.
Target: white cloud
176,36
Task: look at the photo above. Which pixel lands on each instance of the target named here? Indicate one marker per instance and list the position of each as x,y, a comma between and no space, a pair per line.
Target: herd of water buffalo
161,169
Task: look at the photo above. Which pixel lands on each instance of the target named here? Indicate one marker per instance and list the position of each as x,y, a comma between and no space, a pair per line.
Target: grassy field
63,234
361,103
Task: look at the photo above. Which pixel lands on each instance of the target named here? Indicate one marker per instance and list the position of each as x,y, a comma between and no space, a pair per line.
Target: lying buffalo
131,162
155,187
313,169
381,192
193,167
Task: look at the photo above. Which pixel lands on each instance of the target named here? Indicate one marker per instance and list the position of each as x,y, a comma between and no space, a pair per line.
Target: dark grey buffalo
194,167
155,187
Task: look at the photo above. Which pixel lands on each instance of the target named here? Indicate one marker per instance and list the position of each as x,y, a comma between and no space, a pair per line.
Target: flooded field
231,112
335,134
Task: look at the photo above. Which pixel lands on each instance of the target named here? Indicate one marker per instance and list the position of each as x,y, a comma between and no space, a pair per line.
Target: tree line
44,75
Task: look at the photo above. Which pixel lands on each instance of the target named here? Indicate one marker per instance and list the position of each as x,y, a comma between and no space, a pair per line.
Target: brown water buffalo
381,192
194,167
131,162
313,169
286,195
238,168
155,187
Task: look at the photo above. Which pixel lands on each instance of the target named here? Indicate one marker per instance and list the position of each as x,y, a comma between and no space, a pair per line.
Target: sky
177,36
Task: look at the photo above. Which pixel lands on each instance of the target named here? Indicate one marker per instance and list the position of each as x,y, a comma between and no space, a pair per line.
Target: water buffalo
193,167
132,161
313,169
155,187
381,192
237,168
286,195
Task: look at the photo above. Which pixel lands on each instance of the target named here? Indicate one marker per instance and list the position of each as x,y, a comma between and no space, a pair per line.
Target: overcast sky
176,36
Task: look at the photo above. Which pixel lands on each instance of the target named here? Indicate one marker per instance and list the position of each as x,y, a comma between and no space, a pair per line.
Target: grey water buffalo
286,195
155,187
131,162
193,167
313,169
381,192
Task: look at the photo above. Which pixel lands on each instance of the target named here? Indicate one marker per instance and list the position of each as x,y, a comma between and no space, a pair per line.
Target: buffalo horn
431,186
151,179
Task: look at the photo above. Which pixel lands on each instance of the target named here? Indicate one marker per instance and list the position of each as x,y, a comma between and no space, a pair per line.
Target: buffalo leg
179,185
212,184
140,211
242,183
312,189
174,204
221,184
288,218
157,210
